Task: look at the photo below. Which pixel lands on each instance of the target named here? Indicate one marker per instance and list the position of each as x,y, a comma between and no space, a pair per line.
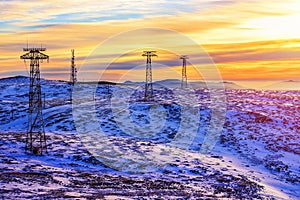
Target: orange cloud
234,35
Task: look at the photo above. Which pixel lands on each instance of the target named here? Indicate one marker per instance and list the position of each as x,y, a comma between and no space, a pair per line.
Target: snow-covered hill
256,157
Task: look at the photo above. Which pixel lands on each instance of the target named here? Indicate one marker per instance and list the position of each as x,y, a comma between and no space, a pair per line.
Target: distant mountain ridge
172,83
175,83
15,79
25,80
284,85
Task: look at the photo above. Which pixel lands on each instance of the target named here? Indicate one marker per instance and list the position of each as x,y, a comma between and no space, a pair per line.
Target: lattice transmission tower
148,95
73,74
184,76
35,138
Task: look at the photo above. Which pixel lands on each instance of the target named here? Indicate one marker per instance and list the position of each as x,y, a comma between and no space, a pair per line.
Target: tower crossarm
34,56
34,49
149,53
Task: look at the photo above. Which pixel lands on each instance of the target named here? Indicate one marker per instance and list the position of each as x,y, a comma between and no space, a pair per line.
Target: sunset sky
247,39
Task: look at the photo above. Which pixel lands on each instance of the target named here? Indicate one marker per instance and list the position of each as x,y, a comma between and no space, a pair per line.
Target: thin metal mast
73,74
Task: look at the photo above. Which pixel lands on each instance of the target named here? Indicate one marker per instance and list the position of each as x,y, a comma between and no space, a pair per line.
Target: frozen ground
256,157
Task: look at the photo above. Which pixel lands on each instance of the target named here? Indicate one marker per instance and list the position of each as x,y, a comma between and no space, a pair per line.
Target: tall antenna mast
35,139
184,76
148,95
73,74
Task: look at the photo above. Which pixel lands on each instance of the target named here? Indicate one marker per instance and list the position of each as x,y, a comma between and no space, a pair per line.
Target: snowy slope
257,155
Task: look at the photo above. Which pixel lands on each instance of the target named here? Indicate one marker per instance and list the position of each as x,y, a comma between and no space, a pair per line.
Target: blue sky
28,15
